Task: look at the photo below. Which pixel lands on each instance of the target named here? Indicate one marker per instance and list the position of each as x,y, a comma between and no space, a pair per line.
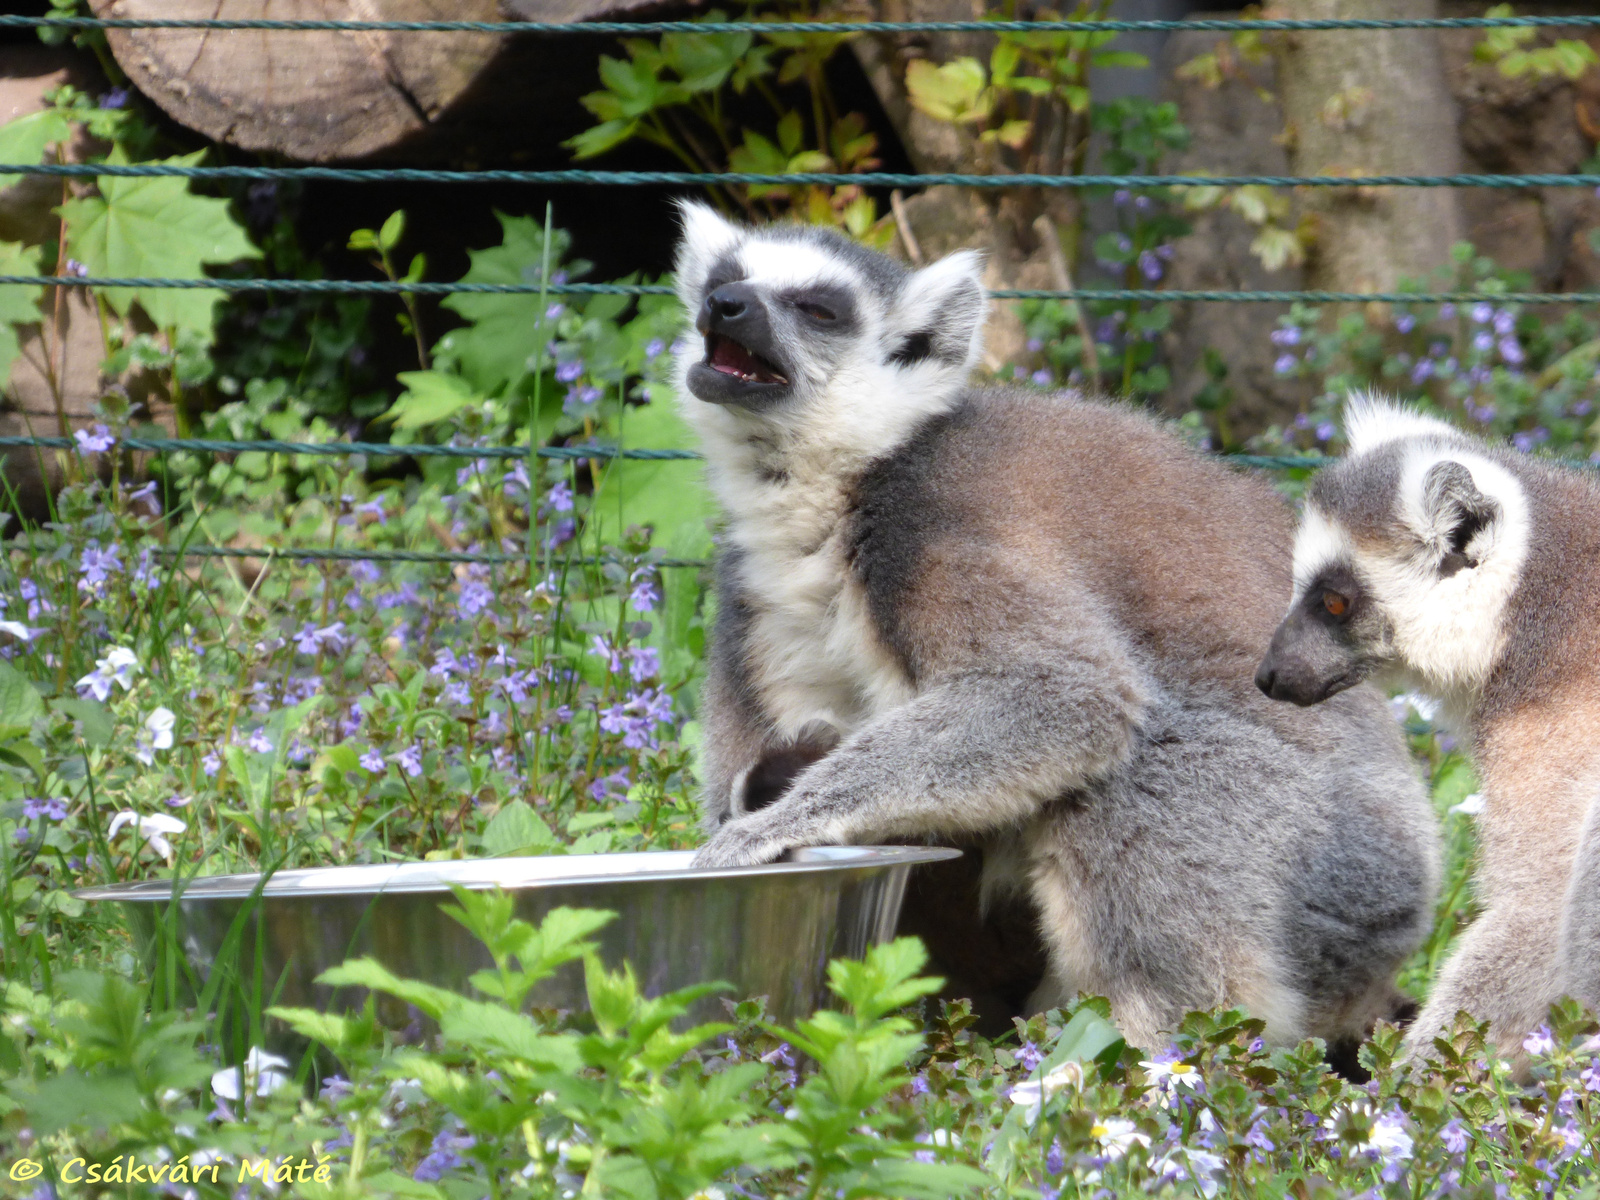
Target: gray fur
1030,622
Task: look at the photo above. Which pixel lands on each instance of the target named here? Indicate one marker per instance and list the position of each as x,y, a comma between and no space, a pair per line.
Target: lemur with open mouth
1028,623
1472,573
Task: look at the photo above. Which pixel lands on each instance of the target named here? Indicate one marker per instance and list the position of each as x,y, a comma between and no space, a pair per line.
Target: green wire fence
586,178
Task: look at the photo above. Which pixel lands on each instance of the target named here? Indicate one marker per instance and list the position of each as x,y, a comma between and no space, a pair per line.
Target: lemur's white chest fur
813,652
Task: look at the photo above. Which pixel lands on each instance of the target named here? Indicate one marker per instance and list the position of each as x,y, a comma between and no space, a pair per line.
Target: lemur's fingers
740,844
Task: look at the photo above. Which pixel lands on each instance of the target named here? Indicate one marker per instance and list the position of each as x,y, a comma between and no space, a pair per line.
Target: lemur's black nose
728,303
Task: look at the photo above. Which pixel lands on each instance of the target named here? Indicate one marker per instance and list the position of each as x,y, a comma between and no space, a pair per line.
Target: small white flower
17,630
1117,1136
156,735
1471,806
1034,1092
264,1073
118,666
153,829
1167,1077
1426,706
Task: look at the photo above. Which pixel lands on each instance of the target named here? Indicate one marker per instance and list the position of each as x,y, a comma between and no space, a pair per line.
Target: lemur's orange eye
1336,604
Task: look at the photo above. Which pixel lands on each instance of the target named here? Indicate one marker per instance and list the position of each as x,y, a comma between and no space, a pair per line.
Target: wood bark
1371,102
321,97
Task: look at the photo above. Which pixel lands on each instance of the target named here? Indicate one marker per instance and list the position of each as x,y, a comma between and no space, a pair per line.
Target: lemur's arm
982,746
736,733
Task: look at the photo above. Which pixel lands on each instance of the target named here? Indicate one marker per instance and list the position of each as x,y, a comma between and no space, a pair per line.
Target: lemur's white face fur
791,314
1407,555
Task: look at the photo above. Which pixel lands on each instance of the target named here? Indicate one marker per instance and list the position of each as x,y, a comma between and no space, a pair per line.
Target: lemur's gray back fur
1027,622
1471,572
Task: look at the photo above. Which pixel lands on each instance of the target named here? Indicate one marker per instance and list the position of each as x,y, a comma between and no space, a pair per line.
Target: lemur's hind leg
1580,918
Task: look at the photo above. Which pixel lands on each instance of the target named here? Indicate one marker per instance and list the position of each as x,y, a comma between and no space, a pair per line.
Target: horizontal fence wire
387,286
1220,25
806,178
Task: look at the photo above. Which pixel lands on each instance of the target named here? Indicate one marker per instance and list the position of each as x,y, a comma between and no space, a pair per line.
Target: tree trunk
1371,103
346,95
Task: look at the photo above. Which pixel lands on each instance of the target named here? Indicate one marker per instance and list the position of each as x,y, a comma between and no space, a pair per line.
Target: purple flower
919,1085
1285,364
410,760
1044,377
21,835
1483,342
1422,371
1504,322
259,742
615,784
1523,441
49,810
559,498
568,371
1289,335
644,662
1405,322
211,764
653,348
1325,431
554,311
1511,351
601,646
1540,1043
1055,1161
1482,313
97,565
561,532
371,761
645,595
147,496
474,598
1581,408
1149,266
97,441
115,98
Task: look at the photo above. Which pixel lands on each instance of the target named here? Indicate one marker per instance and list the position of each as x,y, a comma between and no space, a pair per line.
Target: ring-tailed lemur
1030,621
1472,573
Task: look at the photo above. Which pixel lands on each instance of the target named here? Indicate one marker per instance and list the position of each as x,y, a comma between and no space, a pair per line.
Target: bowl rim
301,881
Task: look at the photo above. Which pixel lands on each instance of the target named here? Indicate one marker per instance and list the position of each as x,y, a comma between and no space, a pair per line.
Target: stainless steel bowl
769,930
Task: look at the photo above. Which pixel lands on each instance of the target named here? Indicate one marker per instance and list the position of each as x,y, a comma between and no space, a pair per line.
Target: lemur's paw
738,844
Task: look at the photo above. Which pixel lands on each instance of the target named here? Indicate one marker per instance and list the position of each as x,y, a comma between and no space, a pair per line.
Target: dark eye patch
1335,597
831,309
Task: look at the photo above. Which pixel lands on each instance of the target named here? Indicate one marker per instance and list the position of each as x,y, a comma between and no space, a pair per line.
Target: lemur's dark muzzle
741,364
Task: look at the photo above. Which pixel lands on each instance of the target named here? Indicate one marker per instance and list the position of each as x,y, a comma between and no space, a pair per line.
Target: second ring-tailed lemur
1028,621
1473,573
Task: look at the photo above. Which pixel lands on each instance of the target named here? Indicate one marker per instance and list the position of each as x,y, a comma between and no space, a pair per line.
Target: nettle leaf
156,227
515,829
18,305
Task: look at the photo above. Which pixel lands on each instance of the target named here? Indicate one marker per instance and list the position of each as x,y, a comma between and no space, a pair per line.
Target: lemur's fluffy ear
1455,511
706,237
940,312
1371,419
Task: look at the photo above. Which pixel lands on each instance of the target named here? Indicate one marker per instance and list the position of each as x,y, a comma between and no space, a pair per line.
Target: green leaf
600,138
392,231
493,1029
517,829
73,1100
92,715
156,226
430,397
952,91
20,703
668,496
18,305
373,975
499,347
25,139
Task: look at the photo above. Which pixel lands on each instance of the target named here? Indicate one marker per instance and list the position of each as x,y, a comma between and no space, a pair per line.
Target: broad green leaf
667,495
24,140
499,347
516,828
20,703
92,715
370,973
952,91
492,1028
156,227
73,1100
430,396
18,305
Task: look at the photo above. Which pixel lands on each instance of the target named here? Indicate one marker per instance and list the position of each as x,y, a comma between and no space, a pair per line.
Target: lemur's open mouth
728,357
